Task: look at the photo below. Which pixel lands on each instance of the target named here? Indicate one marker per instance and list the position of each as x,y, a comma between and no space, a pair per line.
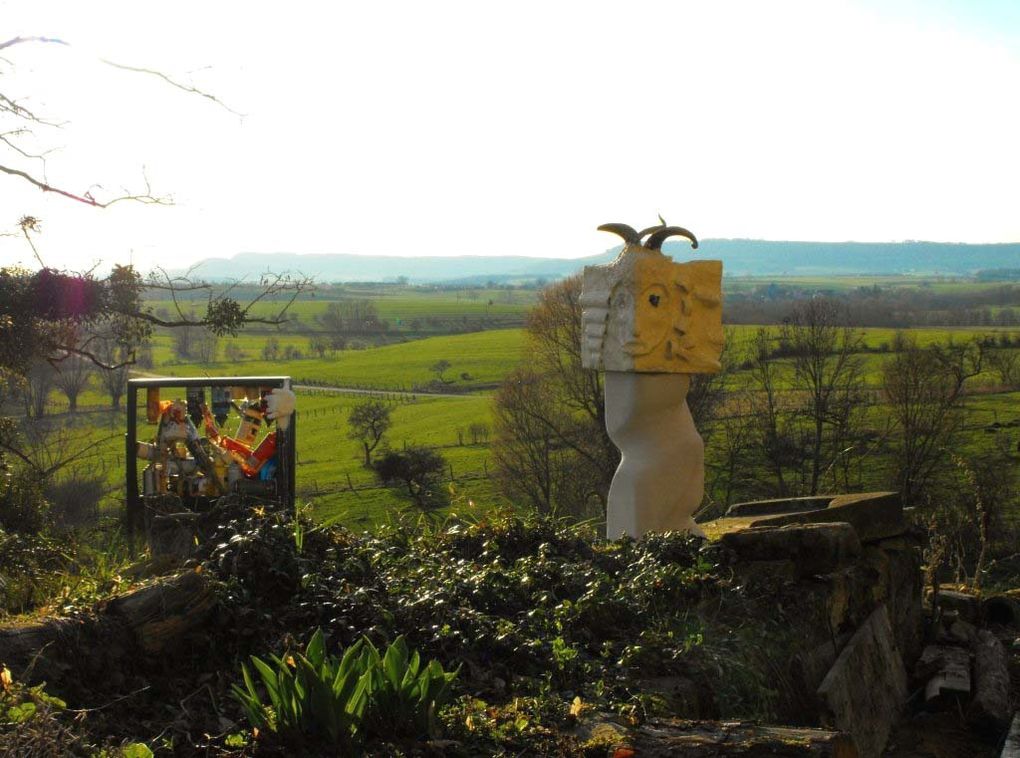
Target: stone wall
853,569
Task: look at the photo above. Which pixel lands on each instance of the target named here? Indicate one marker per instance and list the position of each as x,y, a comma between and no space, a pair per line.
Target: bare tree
115,378
271,349
184,338
923,388
233,352
775,434
828,372
369,421
1006,364
318,344
206,346
730,461
72,377
39,382
479,432
524,451
559,401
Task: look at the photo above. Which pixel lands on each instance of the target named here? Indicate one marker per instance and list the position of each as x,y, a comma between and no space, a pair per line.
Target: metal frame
288,457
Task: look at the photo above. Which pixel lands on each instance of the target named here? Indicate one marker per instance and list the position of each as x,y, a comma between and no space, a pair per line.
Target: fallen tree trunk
658,738
149,620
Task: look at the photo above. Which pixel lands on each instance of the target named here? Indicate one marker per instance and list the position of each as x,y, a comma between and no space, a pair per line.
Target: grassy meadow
331,477
477,359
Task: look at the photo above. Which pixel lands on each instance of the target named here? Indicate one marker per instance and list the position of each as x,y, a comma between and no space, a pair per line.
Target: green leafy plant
404,694
308,693
342,699
19,703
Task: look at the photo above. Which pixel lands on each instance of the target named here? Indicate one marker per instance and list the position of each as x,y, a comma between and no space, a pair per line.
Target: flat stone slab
779,506
874,515
866,688
812,548
947,669
989,710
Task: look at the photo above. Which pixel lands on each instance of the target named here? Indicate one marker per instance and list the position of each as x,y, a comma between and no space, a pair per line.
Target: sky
509,128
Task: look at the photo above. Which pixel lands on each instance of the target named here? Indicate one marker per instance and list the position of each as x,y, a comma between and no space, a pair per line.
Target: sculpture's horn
645,232
630,236
655,241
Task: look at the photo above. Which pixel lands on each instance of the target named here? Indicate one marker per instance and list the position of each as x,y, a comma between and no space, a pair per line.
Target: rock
875,515
808,668
779,506
989,710
866,688
961,632
813,548
951,682
1011,749
757,572
965,604
901,582
928,664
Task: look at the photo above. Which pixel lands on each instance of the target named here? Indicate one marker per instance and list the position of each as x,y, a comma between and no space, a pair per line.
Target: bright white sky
443,128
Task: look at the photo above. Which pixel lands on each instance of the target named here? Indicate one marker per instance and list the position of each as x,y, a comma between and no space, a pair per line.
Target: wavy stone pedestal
661,478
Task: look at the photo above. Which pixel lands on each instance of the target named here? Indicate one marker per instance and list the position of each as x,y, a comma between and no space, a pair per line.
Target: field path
329,388
401,393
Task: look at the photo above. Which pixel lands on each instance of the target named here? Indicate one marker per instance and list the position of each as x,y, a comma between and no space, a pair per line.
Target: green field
330,464
935,285
399,306
484,356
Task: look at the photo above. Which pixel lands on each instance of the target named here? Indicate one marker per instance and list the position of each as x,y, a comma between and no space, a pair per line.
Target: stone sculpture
649,323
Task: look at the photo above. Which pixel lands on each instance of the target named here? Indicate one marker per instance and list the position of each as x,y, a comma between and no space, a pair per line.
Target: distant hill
740,258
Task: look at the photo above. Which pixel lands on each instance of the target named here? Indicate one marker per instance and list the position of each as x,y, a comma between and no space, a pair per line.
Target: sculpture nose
628,324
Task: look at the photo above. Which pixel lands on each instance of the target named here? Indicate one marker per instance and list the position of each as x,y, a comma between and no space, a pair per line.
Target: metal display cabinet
285,441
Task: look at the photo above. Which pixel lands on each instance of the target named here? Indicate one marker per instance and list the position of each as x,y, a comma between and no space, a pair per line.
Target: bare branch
31,224
19,40
87,198
172,83
95,359
5,137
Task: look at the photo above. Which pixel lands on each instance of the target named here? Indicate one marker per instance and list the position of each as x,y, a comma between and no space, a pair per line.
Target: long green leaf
269,679
316,650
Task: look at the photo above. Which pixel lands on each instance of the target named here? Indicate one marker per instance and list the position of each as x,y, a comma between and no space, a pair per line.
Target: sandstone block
866,688
875,515
813,548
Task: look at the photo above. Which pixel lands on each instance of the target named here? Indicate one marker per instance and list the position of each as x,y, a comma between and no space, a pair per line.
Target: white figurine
650,323
280,406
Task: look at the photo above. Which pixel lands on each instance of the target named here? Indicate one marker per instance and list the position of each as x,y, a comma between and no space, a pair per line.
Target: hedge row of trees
803,424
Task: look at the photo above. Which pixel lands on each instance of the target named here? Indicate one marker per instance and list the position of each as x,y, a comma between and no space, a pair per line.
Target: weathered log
162,613
657,738
147,620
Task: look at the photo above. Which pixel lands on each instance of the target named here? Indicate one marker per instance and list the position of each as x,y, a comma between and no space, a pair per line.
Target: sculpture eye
654,300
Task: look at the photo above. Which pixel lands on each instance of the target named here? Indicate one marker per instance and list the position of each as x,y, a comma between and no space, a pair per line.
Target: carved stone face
646,313
639,319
